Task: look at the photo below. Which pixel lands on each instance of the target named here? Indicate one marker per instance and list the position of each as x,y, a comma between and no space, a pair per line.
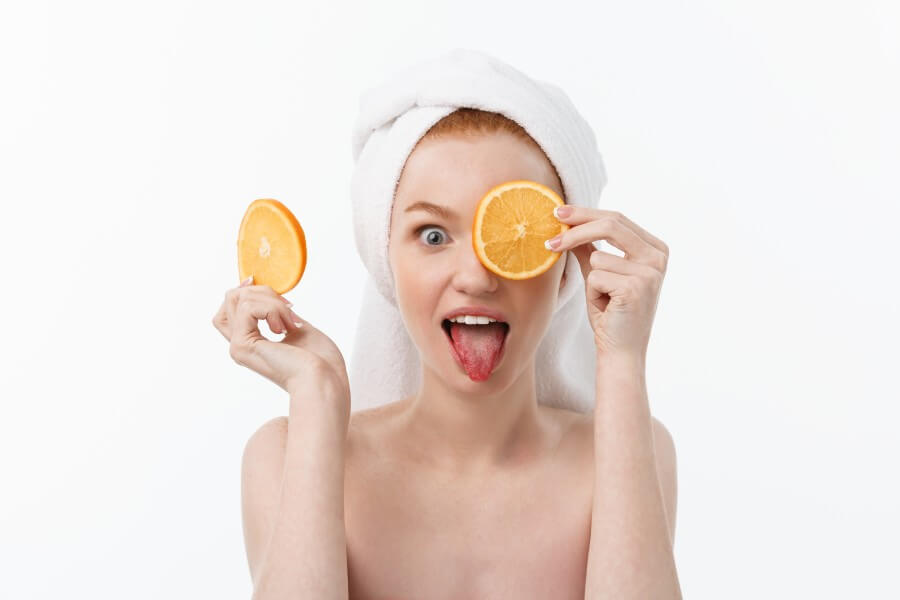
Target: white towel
385,365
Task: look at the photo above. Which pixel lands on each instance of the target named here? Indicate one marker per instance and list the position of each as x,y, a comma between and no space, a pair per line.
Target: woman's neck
470,433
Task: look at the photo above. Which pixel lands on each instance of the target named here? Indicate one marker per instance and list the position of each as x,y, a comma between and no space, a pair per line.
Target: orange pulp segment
511,223
271,246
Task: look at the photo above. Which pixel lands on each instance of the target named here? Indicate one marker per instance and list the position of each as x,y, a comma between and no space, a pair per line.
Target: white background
758,139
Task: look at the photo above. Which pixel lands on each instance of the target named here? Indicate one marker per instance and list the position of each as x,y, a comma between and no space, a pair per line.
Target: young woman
468,488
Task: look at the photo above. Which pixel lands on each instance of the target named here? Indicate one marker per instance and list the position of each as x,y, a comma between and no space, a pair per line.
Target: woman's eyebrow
435,209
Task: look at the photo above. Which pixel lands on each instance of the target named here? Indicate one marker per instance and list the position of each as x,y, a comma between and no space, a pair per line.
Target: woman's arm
296,540
630,553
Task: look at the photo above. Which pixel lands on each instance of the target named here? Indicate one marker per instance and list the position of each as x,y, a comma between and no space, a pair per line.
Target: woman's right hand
305,356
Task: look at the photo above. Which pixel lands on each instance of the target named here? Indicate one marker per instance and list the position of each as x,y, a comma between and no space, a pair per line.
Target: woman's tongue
478,346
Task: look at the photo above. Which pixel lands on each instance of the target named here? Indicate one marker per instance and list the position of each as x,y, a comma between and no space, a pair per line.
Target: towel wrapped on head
385,365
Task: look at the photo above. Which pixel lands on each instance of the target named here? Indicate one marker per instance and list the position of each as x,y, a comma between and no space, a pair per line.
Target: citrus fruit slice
511,223
271,246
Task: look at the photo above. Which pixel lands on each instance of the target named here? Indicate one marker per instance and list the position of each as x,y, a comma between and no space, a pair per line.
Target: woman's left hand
622,292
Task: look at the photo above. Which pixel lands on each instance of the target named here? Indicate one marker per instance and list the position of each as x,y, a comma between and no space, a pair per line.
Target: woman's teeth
472,320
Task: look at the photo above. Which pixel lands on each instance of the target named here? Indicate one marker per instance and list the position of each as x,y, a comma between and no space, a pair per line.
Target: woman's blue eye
431,237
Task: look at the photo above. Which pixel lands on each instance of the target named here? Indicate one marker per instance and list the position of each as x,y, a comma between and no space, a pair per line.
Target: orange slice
511,223
271,246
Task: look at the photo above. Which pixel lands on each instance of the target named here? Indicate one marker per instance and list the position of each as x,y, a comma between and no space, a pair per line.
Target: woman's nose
472,276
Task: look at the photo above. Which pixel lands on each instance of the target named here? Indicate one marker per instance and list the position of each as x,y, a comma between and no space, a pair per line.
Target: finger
606,261
228,310
248,312
645,235
267,290
601,283
221,318
591,259
220,324
617,234
234,295
284,321
248,283
583,214
276,324
275,319
291,318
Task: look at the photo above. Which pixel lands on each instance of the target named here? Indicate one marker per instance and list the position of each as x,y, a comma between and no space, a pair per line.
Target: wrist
624,364
621,386
320,404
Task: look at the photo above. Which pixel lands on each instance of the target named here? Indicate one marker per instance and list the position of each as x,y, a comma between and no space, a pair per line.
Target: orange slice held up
511,223
271,246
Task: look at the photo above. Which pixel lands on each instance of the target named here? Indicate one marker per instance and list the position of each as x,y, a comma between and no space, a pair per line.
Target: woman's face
434,266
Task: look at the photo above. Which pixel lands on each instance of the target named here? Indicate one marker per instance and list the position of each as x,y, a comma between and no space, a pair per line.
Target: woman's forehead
447,169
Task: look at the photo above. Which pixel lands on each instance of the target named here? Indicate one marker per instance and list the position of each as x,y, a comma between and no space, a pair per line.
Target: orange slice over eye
271,246
511,223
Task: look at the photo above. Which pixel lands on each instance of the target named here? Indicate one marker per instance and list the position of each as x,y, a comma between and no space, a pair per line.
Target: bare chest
511,536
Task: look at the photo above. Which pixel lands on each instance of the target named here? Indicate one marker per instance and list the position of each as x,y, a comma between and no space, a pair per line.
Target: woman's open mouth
477,349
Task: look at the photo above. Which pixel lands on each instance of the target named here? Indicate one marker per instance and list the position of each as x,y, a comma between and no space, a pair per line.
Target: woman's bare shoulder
575,430
368,419
368,426
580,426
569,422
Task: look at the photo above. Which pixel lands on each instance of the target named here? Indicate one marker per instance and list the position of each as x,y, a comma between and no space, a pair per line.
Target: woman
471,486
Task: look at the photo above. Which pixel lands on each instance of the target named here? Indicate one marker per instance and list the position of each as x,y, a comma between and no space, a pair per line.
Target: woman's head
434,267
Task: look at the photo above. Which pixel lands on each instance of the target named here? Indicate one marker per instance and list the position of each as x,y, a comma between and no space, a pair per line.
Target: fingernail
561,212
247,281
553,244
287,302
